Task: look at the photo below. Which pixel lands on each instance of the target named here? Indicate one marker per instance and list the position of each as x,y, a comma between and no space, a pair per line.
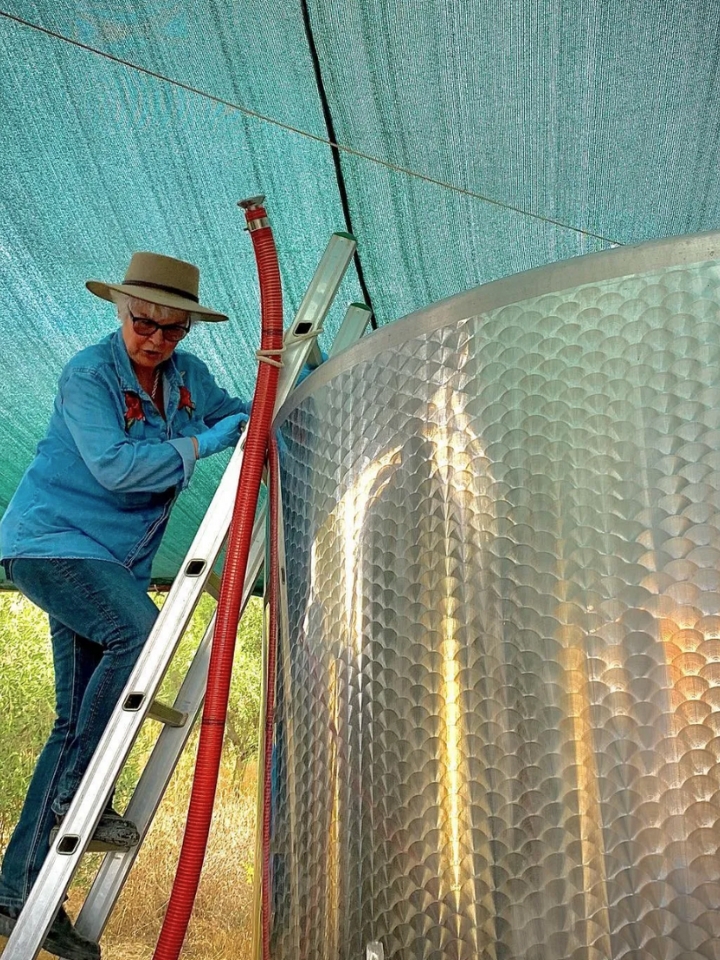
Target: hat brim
152,295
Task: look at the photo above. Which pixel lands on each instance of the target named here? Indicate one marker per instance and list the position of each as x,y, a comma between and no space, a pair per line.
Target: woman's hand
224,434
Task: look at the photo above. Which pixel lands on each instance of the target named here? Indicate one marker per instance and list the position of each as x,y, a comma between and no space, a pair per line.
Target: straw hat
163,280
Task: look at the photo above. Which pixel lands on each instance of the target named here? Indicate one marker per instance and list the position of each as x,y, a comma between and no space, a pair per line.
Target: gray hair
123,300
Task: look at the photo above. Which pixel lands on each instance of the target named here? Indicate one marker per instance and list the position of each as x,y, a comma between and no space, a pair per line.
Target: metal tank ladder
137,701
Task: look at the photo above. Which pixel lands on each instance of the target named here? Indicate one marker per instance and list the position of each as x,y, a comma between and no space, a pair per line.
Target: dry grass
221,925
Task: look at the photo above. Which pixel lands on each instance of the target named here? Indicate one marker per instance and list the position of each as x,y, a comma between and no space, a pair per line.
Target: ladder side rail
136,700
151,787
357,317
353,326
161,764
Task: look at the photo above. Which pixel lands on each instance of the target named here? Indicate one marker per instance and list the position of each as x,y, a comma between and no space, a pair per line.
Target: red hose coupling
255,214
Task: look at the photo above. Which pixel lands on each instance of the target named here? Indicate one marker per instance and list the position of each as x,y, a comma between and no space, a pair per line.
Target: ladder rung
98,846
167,714
212,585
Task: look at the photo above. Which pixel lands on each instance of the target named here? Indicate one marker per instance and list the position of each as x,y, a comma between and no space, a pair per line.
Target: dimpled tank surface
498,708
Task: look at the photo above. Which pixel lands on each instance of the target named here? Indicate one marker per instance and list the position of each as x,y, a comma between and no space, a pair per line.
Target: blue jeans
100,617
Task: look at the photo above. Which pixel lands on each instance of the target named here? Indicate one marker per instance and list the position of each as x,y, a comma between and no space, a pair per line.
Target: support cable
335,151
389,165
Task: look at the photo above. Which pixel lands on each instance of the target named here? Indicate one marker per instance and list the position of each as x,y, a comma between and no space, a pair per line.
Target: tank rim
584,270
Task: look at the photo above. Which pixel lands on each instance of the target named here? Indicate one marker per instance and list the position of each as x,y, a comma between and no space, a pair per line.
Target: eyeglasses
173,332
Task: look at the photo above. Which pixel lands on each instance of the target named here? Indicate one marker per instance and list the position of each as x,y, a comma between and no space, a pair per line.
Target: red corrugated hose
212,727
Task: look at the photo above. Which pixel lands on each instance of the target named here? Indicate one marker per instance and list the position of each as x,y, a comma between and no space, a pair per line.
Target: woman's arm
217,403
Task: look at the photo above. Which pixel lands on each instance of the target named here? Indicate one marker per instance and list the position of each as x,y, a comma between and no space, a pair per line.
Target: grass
221,925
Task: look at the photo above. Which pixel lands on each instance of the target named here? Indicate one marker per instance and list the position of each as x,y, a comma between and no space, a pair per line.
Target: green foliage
27,696
27,700
244,705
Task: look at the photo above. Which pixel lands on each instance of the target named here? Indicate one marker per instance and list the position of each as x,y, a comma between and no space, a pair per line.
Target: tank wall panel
499,703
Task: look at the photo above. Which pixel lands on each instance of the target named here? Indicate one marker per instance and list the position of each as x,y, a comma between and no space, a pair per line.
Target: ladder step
212,585
102,844
167,715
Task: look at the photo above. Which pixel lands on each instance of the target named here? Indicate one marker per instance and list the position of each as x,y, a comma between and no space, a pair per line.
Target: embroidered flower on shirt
186,401
133,409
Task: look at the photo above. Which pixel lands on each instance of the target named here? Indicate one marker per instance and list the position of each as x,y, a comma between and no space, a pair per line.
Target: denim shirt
107,473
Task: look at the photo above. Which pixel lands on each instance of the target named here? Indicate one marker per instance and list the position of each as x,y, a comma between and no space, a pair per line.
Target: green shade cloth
474,126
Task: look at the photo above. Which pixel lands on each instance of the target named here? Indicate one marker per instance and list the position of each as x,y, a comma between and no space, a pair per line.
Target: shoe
112,833
62,939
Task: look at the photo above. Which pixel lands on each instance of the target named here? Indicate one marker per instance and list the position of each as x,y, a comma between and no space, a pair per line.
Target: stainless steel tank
499,702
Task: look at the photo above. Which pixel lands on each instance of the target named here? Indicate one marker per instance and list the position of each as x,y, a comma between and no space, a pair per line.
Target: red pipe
212,727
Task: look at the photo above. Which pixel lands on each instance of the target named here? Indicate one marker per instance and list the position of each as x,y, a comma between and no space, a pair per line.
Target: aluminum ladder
137,702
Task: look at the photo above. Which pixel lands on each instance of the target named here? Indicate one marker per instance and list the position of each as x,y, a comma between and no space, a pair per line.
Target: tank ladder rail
137,699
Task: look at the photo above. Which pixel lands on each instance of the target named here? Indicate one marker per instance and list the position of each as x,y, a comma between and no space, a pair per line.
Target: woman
132,416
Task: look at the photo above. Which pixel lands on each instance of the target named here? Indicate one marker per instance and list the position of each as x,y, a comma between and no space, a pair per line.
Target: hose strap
270,356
